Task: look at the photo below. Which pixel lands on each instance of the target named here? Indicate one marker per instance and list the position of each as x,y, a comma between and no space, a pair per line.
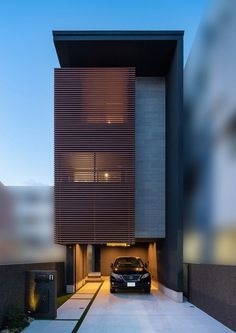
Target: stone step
94,274
94,277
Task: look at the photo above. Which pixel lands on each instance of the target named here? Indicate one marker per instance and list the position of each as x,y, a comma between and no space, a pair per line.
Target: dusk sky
28,58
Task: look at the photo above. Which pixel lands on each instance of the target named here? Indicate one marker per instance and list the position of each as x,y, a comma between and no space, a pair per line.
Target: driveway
139,313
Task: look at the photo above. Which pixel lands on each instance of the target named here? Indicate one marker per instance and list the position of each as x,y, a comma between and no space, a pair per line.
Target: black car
129,273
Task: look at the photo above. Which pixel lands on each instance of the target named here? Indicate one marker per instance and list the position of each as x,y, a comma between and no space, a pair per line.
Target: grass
62,299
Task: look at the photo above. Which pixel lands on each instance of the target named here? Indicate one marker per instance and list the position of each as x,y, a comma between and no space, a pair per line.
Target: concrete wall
152,259
84,262
80,269
109,254
12,282
212,289
150,157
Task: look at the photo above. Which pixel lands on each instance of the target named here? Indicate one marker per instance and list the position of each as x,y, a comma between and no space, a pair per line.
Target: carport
90,258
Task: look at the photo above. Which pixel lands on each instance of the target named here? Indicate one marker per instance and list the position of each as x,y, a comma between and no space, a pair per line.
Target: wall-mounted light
118,244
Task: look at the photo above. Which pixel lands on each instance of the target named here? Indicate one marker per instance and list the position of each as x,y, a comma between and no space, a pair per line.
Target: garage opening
98,258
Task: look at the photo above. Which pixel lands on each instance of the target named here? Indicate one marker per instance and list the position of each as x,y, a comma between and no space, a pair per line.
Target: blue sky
28,58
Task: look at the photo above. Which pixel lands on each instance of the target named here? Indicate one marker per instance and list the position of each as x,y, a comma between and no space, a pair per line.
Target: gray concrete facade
150,158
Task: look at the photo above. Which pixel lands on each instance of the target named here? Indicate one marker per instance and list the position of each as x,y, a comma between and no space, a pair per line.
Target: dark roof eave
116,35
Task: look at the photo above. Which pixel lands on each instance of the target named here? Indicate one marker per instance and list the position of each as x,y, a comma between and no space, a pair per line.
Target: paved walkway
68,314
127,313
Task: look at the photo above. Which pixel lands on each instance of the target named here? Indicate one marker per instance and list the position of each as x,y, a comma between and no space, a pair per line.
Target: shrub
15,320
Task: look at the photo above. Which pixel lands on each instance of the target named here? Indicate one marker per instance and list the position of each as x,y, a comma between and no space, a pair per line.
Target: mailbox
41,294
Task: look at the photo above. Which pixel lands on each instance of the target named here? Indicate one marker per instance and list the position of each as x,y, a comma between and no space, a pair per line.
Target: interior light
106,175
118,244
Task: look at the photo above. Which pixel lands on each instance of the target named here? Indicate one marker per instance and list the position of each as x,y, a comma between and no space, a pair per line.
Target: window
109,176
102,167
105,96
83,176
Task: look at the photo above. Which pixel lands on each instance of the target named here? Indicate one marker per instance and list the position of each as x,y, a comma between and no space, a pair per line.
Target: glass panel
83,176
96,167
109,176
105,97
111,161
81,160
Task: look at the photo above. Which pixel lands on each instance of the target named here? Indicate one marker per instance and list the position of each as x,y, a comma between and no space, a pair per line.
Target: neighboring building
118,151
26,243
210,164
27,225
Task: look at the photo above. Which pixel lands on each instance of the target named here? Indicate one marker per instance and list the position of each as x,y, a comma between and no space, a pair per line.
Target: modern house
118,151
26,244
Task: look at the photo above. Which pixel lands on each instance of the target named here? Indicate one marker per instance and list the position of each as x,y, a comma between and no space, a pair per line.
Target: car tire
147,291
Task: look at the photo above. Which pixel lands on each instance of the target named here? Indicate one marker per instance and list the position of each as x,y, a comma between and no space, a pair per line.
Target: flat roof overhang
150,52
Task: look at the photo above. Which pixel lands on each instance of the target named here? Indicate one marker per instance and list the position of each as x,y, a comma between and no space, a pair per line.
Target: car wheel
147,291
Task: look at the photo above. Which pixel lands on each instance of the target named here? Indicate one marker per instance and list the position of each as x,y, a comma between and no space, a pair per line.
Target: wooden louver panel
94,155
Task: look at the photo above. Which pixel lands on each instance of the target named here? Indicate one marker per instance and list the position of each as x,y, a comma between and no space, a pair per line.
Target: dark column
70,268
170,249
97,255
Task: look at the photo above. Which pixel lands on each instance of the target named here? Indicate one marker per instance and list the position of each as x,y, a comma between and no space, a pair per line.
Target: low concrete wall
176,296
212,288
12,282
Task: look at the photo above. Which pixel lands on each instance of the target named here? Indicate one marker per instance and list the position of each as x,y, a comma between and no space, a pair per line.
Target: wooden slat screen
94,155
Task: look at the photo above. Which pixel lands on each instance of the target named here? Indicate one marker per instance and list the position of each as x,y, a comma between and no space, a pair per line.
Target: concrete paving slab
72,309
139,312
196,324
90,287
82,296
49,326
125,324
